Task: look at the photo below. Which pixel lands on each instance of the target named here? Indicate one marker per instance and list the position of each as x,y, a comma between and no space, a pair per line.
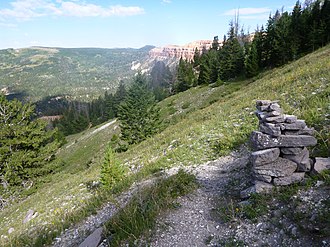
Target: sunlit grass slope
202,124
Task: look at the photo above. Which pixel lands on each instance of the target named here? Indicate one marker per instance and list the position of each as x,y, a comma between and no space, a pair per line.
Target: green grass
200,124
139,216
64,198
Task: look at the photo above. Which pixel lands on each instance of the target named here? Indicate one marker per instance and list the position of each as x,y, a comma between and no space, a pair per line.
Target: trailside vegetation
112,170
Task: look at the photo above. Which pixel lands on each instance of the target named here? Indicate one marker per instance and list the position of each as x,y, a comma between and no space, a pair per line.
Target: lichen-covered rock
297,125
275,119
291,150
321,164
94,239
305,131
264,141
264,156
293,178
270,129
279,168
258,187
290,118
301,159
262,177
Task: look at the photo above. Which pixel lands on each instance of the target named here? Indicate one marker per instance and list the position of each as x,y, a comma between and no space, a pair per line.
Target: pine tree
138,113
213,65
215,43
204,70
231,57
196,57
296,30
111,170
185,78
25,145
251,62
119,97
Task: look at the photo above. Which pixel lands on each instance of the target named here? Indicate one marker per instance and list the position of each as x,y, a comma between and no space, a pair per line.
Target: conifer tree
112,170
138,113
119,97
215,43
204,70
251,62
185,78
231,56
196,57
25,145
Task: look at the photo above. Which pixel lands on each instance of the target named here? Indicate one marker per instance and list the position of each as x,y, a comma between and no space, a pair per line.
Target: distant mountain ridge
81,73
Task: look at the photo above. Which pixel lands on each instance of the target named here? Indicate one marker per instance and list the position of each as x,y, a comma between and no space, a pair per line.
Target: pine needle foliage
139,113
111,171
25,145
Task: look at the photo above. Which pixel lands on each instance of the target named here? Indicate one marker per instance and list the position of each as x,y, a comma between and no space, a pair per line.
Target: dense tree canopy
286,37
25,145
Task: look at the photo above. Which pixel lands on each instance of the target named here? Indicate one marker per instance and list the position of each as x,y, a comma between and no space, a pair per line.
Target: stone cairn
281,156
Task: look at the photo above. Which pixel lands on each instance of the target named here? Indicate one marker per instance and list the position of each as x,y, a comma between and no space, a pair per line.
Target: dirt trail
198,220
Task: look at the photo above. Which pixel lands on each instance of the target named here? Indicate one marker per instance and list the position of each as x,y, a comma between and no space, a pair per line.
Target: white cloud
85,10
167,1
248,11
7,25
28,9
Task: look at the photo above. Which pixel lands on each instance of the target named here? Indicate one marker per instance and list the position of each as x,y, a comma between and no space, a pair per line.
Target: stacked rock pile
281,156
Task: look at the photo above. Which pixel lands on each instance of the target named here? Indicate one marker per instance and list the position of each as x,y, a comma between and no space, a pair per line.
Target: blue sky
127,23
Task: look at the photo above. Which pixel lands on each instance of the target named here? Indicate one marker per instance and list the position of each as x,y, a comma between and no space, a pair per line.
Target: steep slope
82,73
201,124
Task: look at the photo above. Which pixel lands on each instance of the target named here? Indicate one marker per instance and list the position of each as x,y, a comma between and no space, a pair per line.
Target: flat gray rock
301,159
276,119
321,164
279,168
265,156
258,187
305,131
291,150
290,119
263,102
297,125
293,178
264,141
274,107
94,239
270,129
262,177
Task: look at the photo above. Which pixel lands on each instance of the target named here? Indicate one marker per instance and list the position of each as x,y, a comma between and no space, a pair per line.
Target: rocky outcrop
280,156
176,51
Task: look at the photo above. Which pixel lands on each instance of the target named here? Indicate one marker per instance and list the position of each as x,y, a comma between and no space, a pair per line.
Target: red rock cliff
176,51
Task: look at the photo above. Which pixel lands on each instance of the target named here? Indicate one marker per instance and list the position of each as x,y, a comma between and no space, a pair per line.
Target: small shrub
111,171
257,206
185,105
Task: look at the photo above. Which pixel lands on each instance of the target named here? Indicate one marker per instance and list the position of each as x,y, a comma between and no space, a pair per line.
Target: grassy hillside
81,72
201,124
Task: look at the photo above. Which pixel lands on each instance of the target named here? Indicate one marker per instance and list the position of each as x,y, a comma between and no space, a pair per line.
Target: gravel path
194,223
199,219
